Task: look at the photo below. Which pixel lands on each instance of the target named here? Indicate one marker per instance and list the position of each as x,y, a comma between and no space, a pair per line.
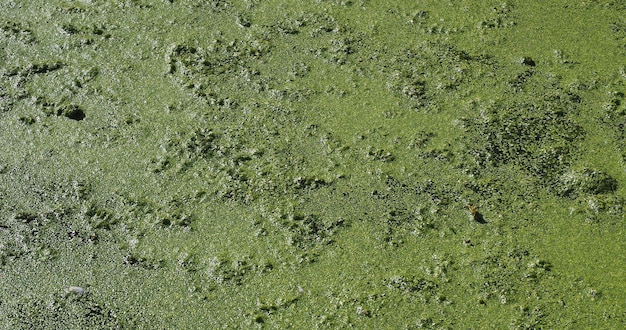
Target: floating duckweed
586,181
204,161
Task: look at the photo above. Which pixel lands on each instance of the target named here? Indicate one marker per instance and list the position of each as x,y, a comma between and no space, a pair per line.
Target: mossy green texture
365,164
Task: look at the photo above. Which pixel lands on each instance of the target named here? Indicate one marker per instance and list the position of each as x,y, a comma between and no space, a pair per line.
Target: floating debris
76,289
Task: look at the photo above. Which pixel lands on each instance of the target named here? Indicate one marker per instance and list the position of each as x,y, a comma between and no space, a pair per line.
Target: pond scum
193,164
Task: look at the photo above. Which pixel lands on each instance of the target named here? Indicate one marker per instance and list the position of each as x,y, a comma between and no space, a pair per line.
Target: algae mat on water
201,164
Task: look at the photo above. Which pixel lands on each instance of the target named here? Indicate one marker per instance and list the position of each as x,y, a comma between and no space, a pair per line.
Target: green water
320,164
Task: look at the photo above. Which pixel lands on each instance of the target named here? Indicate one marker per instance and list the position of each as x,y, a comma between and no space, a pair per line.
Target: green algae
239,164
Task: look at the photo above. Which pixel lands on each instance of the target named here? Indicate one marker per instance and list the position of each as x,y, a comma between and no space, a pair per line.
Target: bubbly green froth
321,164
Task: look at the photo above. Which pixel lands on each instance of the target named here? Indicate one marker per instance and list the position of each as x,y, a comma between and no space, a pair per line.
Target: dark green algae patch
326,164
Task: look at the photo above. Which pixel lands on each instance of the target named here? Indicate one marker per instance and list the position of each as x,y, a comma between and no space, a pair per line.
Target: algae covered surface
205,164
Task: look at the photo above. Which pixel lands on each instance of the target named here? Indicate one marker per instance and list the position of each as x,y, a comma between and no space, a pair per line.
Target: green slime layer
321,164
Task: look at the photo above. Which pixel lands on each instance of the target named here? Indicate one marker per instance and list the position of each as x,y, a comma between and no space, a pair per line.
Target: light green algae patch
188,164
